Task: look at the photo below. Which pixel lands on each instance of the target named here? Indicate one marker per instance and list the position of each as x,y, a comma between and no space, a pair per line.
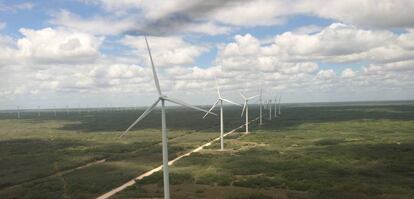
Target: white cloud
247,54
326,74
333,41
348,73
217,17
244,45
57,45
7,51
166,51
94,25
308,29
209,28
369,13
252,13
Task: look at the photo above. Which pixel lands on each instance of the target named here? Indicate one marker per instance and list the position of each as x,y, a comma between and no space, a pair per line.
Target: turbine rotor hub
163,97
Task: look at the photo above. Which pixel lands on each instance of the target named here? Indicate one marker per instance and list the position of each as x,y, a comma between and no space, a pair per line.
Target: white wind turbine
18,112
280,97
161,98
275,107
220,100
246,106
261,106
270,109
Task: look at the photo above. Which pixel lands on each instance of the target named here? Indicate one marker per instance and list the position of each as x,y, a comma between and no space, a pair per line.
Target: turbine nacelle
219,99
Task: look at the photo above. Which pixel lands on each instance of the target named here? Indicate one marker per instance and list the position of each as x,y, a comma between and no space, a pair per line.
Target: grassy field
311,151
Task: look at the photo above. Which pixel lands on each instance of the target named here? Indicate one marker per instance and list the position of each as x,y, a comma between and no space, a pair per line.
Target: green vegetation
309,153
332,151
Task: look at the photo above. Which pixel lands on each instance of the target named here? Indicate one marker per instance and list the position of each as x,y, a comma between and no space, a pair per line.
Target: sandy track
171,162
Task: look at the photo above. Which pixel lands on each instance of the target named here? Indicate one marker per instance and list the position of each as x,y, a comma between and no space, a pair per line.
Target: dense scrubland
310,151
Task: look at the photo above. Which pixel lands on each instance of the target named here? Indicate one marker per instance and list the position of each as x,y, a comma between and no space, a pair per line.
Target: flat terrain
310,151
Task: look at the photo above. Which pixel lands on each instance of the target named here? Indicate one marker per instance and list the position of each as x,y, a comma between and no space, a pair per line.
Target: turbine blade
143,115
214,105
244,107
226,100
261,93
154,72
253,97
179,102
218,89
241,94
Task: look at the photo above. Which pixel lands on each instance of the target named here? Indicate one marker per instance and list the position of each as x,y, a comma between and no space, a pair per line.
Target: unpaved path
59,173
159,168
64,172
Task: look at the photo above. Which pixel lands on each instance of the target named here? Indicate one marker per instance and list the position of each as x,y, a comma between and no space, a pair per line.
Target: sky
91,53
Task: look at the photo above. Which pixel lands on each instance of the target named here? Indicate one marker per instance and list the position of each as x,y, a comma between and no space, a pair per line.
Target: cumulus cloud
68,57
348,73
57,45
387,13
95,25
160,17
326,74
308,29
166,51
338,42
247,53
368,13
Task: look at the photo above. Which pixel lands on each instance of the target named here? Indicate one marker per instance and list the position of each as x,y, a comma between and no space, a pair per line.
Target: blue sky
75,52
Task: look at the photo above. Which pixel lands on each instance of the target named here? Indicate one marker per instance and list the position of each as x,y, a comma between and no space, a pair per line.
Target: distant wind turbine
270,109
161,98
220,100
280,97
261,105
275,107
246,106
18,112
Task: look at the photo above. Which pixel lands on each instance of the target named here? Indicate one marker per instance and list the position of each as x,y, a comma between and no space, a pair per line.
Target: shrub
181,178
258,182
251,196
212,179
329,141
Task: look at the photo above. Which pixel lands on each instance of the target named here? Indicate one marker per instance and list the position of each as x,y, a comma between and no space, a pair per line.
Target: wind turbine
270,109
280,97
261,106
220,100
275,106
246,106
18,112
161,98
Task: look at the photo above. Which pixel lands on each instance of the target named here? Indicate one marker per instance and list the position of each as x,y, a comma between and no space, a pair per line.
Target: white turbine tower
280,97
261,106
270,109
246,106
220,100
18,112
161,98
275,107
